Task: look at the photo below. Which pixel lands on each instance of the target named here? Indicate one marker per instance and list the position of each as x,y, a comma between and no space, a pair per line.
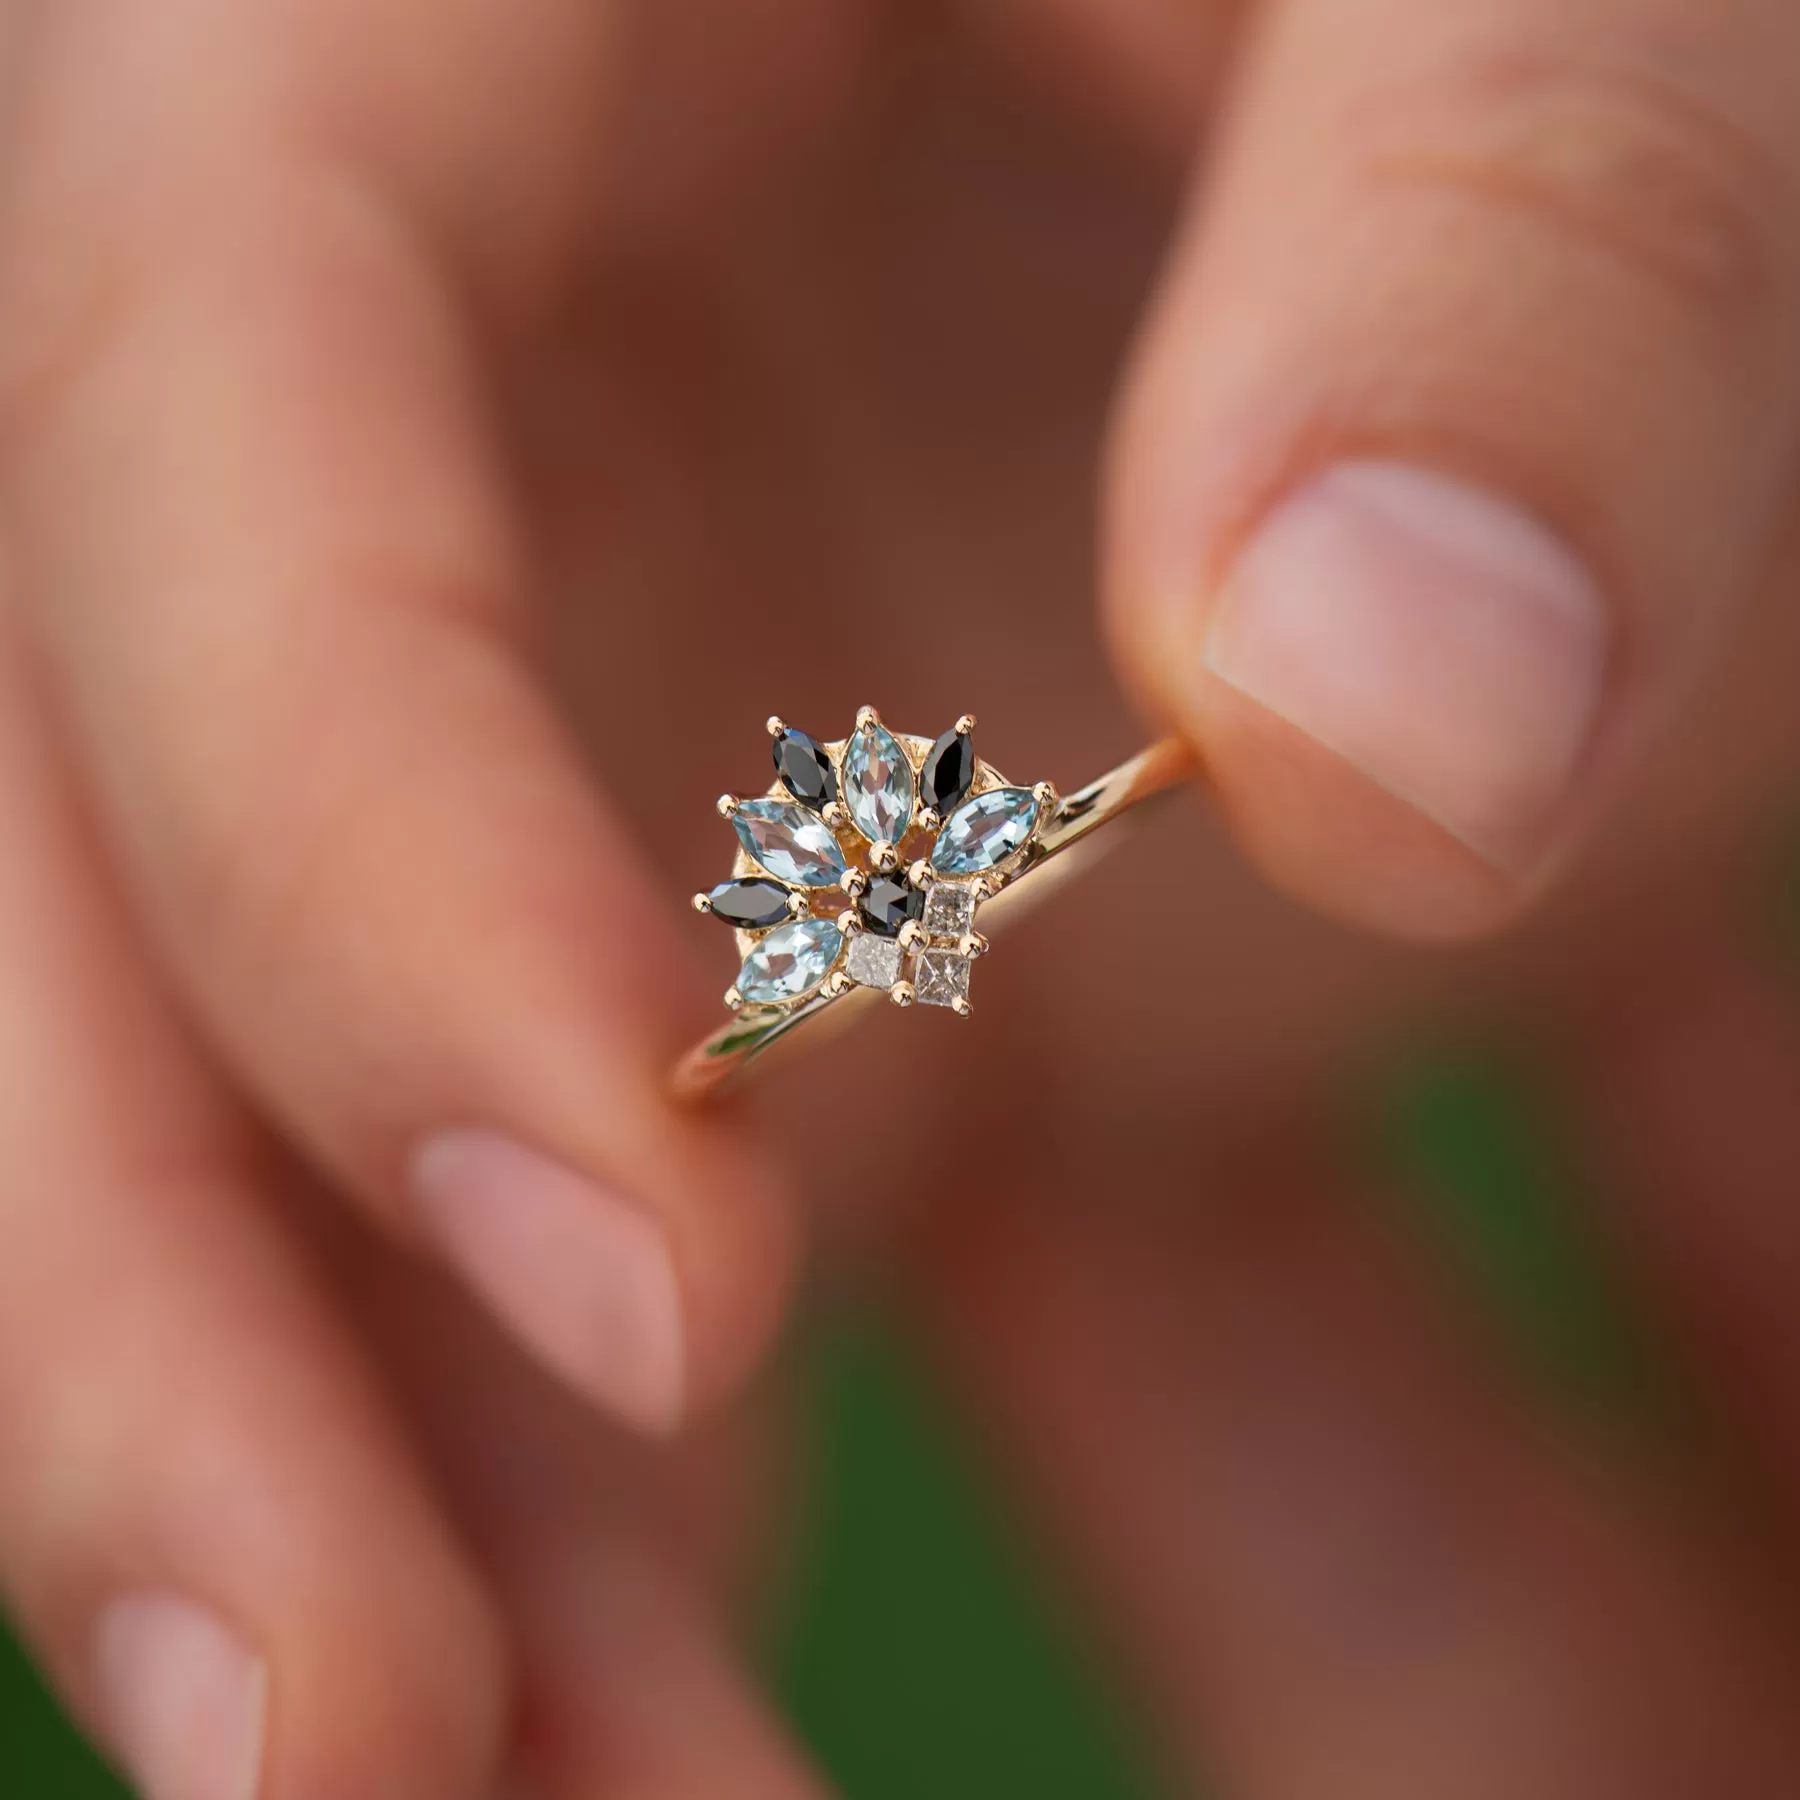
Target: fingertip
1323,832
653,1308
181,1699
1396,682
1433,635
580,1274
194,1711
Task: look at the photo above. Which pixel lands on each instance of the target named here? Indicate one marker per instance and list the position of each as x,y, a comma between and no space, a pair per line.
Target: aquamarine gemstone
877,784
982,833
790,962
794,845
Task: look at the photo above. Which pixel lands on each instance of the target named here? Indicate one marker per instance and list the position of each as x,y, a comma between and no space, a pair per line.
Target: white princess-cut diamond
873,961
941,978
949,909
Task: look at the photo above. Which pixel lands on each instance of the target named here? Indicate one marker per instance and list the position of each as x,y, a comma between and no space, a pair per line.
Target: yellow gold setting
831,905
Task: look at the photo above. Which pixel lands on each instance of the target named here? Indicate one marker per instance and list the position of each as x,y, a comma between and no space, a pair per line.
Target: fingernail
1435,637
182,1702
582,1277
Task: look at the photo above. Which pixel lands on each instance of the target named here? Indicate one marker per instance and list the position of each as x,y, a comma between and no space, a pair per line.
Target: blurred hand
436,434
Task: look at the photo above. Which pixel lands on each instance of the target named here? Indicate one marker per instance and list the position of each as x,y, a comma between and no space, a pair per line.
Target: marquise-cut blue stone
794,845
878,784
982,833
790,962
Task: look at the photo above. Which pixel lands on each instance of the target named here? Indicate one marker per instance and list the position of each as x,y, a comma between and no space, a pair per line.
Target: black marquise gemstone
750,905
949,773
805,770
887,904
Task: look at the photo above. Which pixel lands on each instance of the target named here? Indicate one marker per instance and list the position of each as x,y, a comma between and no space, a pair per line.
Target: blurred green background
912,1648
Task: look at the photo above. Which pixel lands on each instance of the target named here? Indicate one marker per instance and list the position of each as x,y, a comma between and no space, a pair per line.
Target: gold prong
867,717
703,903
1046,794
965,725
971,944
798,905
728,804
854,882
930,821
849,921
919,874
836,983
901,993
961,1007
986,888
775,725
913,936
734,999
836,815
883,858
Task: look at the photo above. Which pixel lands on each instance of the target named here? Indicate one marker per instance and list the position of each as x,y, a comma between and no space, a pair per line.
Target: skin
409,412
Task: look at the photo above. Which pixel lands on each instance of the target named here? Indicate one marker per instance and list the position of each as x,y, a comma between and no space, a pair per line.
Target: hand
303,869
340,336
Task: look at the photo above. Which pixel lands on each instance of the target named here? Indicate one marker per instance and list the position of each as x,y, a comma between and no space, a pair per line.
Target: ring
862,871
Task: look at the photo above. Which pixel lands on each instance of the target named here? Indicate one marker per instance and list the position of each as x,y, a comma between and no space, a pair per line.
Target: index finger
268,551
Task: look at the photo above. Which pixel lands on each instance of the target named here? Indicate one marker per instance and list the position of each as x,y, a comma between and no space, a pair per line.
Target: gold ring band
831,915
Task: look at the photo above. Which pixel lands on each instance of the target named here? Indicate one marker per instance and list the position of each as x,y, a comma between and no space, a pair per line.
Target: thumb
1464,420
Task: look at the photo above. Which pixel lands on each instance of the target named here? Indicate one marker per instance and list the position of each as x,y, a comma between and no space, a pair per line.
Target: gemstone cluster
866,862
